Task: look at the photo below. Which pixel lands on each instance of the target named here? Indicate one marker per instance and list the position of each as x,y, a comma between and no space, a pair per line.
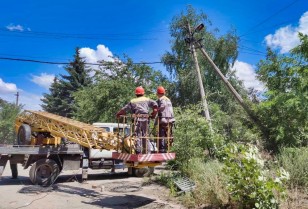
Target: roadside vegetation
236,165
8,114
233,164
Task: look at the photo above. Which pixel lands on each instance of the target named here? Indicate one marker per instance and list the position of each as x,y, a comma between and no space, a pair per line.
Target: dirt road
102,190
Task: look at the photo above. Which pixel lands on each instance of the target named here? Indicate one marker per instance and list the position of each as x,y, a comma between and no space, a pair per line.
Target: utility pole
230,87
17,95
202,92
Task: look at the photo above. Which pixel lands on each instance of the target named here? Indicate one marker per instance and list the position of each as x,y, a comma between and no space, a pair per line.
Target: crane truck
49,144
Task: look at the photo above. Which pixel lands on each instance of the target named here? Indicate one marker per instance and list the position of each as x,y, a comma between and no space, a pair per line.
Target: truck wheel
24,135
143,172
44,172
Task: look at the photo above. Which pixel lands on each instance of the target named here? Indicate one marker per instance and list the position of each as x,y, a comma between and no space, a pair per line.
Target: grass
295,161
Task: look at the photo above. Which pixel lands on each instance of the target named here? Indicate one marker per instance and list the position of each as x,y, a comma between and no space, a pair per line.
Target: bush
192,136
295,161
249,184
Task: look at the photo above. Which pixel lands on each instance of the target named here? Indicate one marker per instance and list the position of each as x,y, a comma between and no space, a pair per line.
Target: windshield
126,131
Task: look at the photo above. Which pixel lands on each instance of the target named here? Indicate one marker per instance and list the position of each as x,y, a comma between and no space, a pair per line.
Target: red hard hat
139,90
160,90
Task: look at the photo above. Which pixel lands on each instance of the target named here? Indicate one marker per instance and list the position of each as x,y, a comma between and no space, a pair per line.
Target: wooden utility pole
17,95
202,92
234,92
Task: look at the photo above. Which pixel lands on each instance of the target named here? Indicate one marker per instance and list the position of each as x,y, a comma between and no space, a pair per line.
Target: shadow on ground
24,180
21,180
123,201
96,198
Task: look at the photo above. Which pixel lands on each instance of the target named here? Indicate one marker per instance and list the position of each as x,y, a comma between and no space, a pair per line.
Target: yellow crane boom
81,133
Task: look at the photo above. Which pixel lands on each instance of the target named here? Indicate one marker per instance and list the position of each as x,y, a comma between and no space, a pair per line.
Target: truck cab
103,158
114,127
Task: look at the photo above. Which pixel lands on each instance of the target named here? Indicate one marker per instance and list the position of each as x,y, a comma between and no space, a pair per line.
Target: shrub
192,136
251,186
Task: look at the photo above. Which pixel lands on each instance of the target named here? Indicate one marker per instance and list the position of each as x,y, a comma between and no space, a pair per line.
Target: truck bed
32,150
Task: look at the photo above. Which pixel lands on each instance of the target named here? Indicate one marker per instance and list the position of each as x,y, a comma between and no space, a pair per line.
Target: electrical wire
66,63
111,36
271,27
251,50
268,18
72,37
26,205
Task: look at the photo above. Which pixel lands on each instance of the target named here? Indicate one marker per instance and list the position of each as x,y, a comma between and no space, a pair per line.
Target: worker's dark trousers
141,132
165,132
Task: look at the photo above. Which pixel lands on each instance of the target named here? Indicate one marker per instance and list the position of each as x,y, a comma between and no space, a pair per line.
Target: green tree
114,86
284,109
234,122
60,100
8,114
179,62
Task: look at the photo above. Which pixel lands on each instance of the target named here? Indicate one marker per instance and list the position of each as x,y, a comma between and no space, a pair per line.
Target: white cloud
7,88
30,101
93,56
13,27
246,73
286,38
44,80
8,93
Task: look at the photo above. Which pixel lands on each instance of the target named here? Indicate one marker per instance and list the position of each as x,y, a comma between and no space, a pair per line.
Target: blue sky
51,30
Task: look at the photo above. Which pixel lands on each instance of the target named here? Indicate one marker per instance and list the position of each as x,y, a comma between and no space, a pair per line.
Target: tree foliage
185,87
114,86
284,109
8,114
179,62
60,100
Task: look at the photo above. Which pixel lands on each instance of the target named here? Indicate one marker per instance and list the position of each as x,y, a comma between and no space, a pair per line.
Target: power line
268,18
76,37
66,63
270,27
29,57
111,36
251,49
251,53
80,34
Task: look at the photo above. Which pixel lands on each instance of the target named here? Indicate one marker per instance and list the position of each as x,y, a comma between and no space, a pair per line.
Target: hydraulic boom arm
81,133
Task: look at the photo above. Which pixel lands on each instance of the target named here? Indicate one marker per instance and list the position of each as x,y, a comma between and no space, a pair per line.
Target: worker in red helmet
140,109
165,119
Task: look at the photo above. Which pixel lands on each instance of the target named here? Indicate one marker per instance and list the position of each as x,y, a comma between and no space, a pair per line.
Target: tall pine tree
60,100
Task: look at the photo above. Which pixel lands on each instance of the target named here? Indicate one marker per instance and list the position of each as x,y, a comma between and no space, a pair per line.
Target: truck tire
24,135
143,172
44,172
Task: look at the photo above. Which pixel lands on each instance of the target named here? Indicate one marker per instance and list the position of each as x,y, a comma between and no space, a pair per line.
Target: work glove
121,112
153,114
